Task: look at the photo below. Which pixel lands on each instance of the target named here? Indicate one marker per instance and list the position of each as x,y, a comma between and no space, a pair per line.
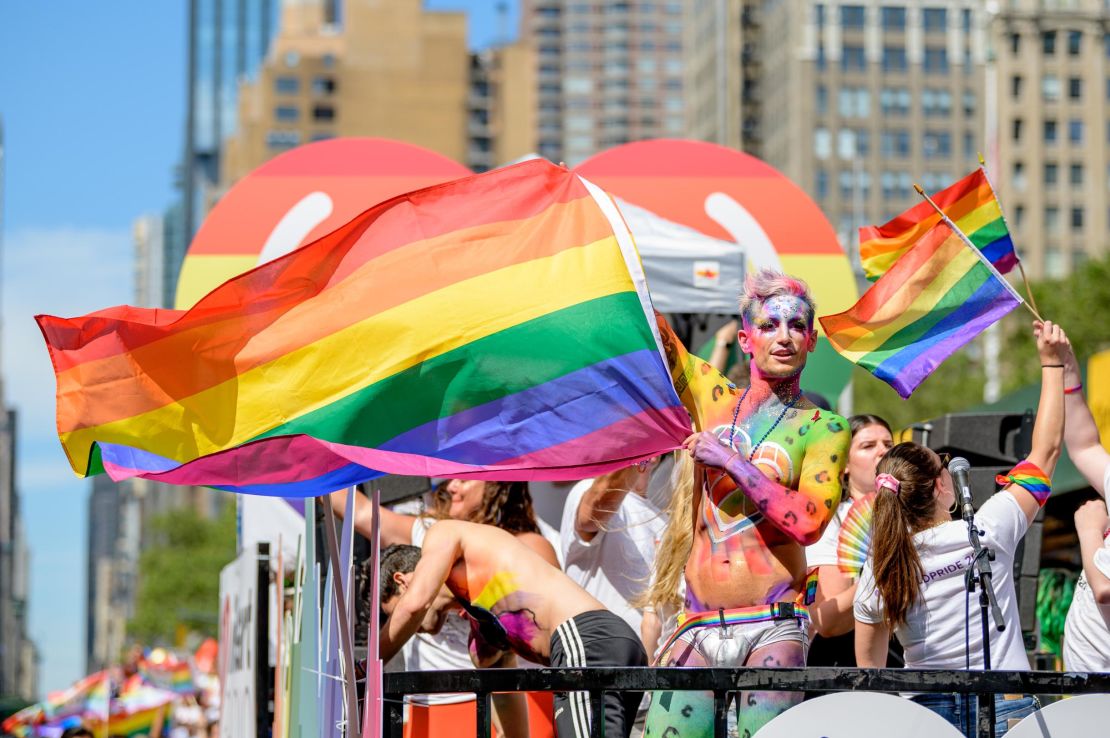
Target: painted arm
698,384
1080,430
440,552
396,528
1090,524
1048,429
801,514
604,498
832,609
871,645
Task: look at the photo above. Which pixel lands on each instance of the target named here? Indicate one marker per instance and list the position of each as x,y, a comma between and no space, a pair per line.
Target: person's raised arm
1080,431
801,514
440,552
396,528
1048,429
1090,526
604,498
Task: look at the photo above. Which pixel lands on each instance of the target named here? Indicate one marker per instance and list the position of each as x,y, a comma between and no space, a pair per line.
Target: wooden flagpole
1017,256
978,253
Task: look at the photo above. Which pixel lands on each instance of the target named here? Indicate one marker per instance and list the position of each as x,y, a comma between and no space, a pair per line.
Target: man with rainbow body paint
767,479
517,602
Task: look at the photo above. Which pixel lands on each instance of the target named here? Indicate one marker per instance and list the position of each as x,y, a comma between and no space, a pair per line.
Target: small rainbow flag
493,327
935,299
970,203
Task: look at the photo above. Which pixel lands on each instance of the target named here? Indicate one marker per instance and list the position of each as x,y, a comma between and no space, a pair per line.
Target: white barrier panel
239,656
858,715
1086,715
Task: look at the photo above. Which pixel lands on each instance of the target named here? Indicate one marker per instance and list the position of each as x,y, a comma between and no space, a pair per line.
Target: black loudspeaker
397,489
993,443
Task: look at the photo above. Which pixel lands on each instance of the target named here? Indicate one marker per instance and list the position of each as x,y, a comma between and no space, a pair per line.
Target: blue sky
92,102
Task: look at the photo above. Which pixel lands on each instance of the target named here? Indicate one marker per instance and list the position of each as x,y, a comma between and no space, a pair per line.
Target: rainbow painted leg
759,708
680,714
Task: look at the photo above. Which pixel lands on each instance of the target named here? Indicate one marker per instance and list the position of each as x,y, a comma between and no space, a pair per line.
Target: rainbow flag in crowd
493,327
970,203
935,299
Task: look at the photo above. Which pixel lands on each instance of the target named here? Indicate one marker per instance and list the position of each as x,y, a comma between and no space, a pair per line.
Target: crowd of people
728,552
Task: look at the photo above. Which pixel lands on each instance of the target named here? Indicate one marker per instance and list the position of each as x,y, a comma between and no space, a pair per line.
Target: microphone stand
981,575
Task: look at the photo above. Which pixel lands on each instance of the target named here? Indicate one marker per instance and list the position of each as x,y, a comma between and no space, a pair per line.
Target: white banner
238,646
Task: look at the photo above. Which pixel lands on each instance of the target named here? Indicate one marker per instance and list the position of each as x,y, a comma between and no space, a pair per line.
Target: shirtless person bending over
516,601
767,479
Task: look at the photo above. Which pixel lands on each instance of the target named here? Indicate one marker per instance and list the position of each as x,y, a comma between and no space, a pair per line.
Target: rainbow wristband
1073,390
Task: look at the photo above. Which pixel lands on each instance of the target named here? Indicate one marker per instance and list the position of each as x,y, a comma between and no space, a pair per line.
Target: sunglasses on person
945,459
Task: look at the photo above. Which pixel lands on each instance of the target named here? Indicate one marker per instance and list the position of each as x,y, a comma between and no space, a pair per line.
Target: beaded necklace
736,414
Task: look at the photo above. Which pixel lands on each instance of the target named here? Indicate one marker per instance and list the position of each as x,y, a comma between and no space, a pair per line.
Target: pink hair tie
888,481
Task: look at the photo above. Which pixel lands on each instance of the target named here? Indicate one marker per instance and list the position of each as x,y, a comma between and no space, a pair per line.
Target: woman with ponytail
913,582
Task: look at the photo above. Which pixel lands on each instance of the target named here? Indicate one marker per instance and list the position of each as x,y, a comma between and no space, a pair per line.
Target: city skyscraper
1051,75
501,106
393,69
18,656
606,73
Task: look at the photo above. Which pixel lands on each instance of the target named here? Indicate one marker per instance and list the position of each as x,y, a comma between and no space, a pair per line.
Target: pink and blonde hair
763,284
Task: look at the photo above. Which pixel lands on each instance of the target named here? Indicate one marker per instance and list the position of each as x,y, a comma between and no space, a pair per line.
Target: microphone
959,467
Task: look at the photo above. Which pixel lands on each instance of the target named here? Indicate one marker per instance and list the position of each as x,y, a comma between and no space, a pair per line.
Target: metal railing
722,682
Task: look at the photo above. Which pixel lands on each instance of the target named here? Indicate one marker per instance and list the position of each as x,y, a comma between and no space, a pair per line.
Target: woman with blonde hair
914,580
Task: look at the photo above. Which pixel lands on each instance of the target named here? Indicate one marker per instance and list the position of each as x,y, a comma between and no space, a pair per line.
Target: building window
970,149
283,139
1050,132
1018,122
1051,175
821,61
1075,175
323,85
821,100
936,60
851,143
1015,43
1052,219
936,102
1075,88
1015,86
1018,179
969,103
965,20
1075,42
854,102
852,17
822,143
894,59
853,59
819,15
894,101
1075,131
287,85
936,143
935,20
821,184
895,185
1019,215
286,113
1048,42
323,112
893,19
1077,219
1054,262
1050,88
895,144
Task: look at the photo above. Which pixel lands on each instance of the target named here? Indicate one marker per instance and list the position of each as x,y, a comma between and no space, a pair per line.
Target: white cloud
62,271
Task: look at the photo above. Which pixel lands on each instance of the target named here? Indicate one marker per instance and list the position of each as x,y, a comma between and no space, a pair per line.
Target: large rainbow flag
936,298
970,203
493,327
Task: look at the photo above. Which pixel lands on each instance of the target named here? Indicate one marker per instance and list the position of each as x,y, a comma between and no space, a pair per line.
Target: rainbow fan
854,542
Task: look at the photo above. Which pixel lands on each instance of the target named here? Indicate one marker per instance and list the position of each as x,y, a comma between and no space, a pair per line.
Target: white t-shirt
824,552
615,565
1087,628
933,634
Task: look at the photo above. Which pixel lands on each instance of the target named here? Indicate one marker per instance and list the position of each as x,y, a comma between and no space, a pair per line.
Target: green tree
1079,302
179,577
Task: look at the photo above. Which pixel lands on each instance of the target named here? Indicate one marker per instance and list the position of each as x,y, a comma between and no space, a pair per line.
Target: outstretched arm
396,528
1090,525
440,552
803,513
1048,429
1080,430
